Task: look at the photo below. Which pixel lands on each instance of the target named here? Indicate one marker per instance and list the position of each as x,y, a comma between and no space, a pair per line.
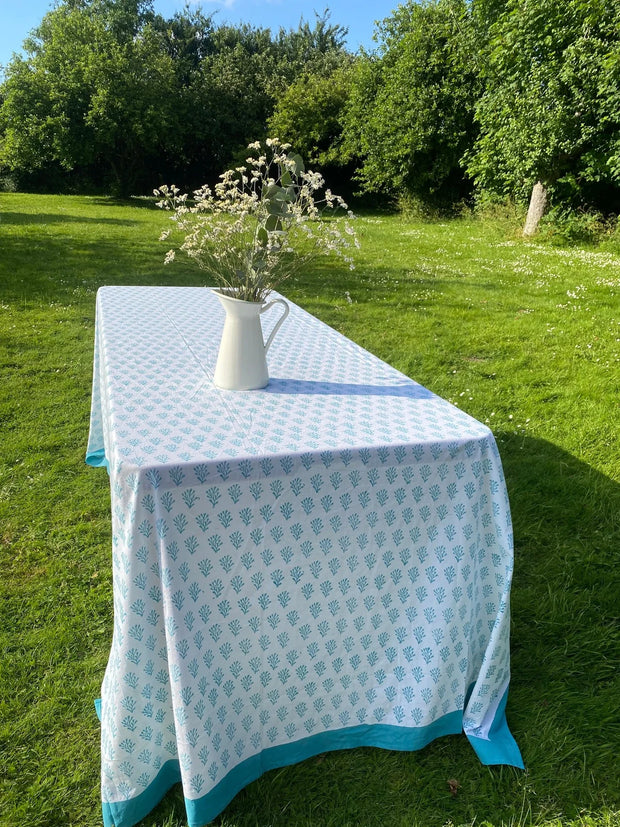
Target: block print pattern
331,552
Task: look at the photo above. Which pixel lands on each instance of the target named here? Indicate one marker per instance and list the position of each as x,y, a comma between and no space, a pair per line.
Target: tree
410,112
309,115
122,97
550,113
312,51
124,18
189,38
89,93
234,77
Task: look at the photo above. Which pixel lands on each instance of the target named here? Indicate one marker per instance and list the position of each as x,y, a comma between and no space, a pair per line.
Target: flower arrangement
263,222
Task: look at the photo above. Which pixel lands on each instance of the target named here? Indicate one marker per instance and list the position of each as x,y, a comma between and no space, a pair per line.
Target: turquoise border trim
97,459
128,813
203,810
500,747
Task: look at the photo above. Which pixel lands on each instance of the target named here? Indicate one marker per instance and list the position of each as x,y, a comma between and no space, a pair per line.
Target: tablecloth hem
97,459
128,813
203,810
499,747
502,749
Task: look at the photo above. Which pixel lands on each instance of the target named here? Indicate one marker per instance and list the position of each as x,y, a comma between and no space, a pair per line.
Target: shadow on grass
51,269
15,218
566,637
144,202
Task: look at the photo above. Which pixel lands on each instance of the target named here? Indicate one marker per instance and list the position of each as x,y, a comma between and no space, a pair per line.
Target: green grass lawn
523,336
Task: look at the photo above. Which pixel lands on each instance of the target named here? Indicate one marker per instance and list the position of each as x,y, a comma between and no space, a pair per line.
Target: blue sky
19,17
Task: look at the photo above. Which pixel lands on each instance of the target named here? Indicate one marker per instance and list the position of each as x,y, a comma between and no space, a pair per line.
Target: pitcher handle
280,320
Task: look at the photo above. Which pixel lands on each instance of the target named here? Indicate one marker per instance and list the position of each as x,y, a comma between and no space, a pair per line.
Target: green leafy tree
238,82
90,93
189,38
310,114
124,18
114,94
410,111
316,50
550,113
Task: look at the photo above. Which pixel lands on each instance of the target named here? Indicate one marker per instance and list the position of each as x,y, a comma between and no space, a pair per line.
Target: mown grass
523,336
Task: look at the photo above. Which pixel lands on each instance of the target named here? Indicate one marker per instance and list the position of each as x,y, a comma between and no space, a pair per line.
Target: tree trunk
538,203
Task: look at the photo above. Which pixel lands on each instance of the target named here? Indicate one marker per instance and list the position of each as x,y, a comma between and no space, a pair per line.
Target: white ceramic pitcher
241,362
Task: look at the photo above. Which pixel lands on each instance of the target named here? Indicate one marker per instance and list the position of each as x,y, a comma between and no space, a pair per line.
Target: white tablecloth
322,564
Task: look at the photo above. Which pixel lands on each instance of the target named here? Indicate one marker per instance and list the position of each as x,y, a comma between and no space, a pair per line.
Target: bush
503,210
8,182
568,226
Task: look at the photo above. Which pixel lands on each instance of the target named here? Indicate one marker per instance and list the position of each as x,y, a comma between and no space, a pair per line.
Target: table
322,564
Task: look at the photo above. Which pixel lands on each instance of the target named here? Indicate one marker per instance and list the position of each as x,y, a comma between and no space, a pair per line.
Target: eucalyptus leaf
276,207
299,163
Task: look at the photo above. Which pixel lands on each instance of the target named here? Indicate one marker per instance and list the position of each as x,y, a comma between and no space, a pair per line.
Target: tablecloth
322,564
